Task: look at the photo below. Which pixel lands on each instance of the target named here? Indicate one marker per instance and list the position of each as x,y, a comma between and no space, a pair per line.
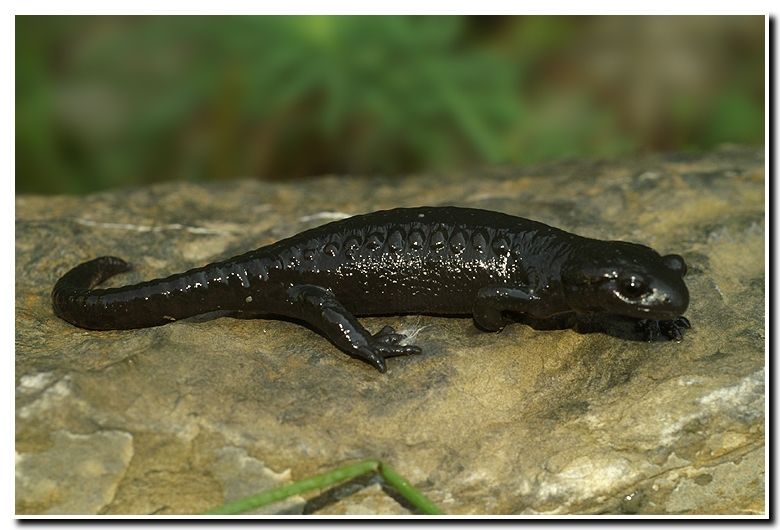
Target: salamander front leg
493,300
320,308
674,329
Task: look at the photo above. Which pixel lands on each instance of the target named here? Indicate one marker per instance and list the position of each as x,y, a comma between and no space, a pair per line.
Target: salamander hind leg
320,308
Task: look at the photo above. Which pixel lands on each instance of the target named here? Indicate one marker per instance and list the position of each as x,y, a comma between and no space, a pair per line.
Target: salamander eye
632,288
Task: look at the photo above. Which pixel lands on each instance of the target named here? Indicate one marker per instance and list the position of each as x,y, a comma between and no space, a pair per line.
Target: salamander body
432,260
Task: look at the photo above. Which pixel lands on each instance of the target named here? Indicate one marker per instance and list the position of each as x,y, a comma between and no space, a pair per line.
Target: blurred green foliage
108,101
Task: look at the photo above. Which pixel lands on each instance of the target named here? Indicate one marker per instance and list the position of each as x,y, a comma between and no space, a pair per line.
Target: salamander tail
77,282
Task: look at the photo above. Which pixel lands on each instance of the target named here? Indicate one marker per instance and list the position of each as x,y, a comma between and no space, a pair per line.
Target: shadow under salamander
611,324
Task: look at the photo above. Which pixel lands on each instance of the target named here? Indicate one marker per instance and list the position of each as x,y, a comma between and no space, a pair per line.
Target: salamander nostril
676,263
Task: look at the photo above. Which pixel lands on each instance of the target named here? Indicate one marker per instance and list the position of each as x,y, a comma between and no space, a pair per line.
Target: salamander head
625,278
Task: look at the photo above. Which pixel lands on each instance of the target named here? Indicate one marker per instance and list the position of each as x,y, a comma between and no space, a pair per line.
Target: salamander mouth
656,314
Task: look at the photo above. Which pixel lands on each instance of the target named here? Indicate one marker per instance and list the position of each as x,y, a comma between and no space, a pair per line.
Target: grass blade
411,493
296,488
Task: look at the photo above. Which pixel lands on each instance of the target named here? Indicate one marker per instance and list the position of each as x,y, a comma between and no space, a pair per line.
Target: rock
243,476
184,417
78,475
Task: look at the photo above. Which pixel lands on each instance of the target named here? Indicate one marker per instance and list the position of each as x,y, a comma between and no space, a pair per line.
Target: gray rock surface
181,418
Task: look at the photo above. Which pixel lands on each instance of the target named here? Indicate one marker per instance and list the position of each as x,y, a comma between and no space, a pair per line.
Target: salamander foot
673,328
383,345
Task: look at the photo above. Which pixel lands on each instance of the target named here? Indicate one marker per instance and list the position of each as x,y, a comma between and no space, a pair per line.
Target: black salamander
433,260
